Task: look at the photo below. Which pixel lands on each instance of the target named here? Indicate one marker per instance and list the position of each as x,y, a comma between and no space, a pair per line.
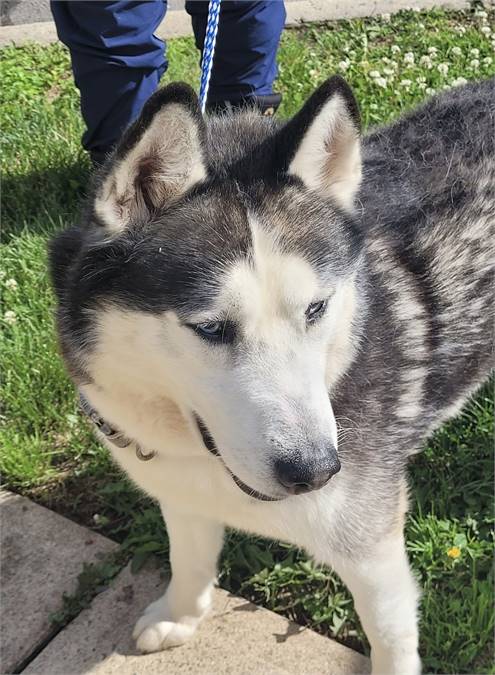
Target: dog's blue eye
215,331
210,328
315,310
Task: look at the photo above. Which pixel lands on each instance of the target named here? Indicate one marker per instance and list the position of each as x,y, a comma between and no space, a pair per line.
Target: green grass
48,451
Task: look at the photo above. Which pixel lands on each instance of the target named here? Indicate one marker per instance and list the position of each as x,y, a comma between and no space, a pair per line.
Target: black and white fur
246,224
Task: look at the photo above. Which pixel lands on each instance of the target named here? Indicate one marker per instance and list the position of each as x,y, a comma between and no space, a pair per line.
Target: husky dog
266,320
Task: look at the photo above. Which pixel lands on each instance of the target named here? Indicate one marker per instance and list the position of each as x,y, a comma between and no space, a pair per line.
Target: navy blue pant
117,61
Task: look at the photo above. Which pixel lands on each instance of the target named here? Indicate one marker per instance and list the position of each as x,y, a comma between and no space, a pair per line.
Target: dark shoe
98,157
267,105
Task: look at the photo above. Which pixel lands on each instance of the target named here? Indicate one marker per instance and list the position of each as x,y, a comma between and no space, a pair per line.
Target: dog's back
428,213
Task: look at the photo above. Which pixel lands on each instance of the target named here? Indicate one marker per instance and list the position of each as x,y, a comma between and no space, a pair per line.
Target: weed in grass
48,450
93,579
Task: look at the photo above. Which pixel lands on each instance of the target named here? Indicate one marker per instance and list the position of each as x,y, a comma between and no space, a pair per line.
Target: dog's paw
155,635
157,630
406,662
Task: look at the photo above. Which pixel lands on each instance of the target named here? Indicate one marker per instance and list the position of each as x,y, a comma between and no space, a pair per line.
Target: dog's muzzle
210,445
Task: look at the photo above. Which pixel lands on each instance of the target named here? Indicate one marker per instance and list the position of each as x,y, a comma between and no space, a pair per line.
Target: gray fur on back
427,207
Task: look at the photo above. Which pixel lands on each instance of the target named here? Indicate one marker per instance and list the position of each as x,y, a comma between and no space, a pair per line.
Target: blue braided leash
208,50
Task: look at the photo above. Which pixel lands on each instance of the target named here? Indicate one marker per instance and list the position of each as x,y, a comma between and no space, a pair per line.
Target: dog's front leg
195,544
386,597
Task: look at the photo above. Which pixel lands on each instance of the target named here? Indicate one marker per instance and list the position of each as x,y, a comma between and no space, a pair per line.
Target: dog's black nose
298,476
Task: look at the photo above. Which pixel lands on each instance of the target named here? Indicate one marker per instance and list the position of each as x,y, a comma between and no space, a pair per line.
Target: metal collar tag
113,435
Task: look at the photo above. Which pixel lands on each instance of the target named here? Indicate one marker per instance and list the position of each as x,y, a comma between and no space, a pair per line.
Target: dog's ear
157,160
322,142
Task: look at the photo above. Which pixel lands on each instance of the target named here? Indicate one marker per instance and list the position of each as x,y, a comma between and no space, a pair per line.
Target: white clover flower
416,9
409,58
430,91
391,64
459,81
421,78
344,65
405,83
11,284
432,51
426,61
443,68
10,317
381,82
422,85
461,30
487,61
456,51
486,30
474,52
389,71
374,74
395,49
475,64
385,17
447,86
480,14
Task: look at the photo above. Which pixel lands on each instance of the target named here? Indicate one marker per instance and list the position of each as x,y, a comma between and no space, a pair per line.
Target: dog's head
216,268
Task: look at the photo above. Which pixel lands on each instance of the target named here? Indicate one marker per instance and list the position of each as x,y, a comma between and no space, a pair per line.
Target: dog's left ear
157,160
323,142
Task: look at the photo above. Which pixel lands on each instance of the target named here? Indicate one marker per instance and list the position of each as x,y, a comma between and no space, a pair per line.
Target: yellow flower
454,552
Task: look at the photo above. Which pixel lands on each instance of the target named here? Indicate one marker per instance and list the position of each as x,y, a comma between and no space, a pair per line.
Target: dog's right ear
320,145
157,160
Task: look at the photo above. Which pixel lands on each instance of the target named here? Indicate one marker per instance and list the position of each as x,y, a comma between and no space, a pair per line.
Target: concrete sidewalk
42,555
238,637
18,26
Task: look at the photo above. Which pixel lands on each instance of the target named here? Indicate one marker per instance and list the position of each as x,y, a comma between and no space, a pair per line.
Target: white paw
405,663
156,629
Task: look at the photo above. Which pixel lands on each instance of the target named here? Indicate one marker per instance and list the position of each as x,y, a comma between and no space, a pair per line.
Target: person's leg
116,60
244,65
